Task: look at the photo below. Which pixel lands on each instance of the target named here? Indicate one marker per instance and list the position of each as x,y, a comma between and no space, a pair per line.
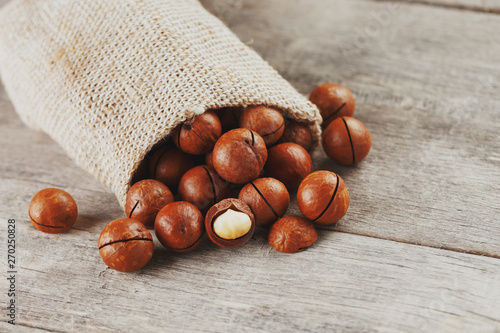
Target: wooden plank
6,327
431,179
344,282
3,2
487,6
33,155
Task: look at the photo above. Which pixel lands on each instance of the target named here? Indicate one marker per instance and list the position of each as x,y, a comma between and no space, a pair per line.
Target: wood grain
435,159
344,282
426,85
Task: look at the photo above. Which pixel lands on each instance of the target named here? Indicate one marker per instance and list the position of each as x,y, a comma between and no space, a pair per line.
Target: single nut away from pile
223,174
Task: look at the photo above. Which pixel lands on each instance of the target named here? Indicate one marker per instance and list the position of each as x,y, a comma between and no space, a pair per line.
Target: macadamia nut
232,224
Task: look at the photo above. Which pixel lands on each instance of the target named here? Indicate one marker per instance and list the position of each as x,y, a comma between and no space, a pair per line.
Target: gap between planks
392,239
453,6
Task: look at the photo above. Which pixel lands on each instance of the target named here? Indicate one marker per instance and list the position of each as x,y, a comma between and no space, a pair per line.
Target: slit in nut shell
53,211
323,197
268,199
199,135
266,121
239,156
125,245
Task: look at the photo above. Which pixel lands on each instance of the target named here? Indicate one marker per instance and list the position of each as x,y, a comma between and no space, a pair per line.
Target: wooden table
419,248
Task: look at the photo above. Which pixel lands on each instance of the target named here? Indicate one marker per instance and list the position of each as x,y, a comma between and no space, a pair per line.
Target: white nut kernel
232,224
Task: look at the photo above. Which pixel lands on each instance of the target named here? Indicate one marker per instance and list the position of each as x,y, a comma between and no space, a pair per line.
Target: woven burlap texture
107,79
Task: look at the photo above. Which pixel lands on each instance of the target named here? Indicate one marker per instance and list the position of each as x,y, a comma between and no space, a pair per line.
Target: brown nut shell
199,135
347,141
125,245
266,121
229,117
239,155
333,101
208,159
168,164
268,199
297,132
179,226
292,234
145,199
323,197
203,187
289,163
53,211
218,209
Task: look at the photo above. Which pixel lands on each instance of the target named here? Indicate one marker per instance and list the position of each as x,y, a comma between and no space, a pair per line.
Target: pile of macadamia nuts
222,174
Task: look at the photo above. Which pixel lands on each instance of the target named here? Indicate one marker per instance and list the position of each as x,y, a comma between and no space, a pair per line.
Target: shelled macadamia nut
199,135
333,101
297,132
53,211
203,187
292,234
266,121
239,155
323,197
179,226
268,199
347,141
125,245
230,223
145,199
168,164
289,163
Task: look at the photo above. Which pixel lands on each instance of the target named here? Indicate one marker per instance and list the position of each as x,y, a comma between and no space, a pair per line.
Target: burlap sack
107,79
